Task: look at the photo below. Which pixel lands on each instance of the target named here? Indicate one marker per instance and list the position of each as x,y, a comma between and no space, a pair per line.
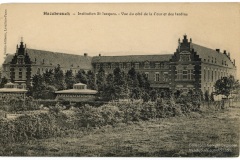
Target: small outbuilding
12,90
77,94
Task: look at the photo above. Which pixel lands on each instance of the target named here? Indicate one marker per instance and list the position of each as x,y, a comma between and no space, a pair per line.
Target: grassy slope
197,135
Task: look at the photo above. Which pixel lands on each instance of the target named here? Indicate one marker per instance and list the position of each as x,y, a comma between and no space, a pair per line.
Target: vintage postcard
120,80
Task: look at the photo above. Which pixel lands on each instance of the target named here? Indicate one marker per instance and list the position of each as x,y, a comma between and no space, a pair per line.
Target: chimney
218,50
229,54
190,40
99,55
85,54
234,62
224,52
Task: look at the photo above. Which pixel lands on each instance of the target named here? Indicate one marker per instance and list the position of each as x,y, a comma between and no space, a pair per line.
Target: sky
214,25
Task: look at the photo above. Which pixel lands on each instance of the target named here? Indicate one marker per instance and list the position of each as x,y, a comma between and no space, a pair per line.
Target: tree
100,81
132,80
3,82
120,83
69,79
91,80
145,97
226,85
136,93
49,77
59,78
153,95
38,86
110,92
81,77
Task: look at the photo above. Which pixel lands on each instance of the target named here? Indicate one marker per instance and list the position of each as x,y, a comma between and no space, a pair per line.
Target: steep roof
132,58
207,53
55,58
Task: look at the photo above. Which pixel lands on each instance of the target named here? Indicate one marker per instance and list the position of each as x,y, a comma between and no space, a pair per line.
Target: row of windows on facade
158,77
38,72
185,74
42,70
130,65
214,60
211,75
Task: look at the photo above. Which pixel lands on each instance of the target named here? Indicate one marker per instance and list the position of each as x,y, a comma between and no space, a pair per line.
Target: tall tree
120,83
49,77
91,80
81,77
59,78
101,81
69,79
38,86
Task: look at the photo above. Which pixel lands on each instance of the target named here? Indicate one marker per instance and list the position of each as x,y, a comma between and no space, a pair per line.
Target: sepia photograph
119,79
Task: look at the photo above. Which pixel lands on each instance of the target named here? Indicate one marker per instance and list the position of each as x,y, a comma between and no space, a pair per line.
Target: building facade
191,66
25,63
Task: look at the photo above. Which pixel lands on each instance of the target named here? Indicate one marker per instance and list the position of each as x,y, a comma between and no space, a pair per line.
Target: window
20,60
136,65
147,75
147,65
161,65
215,75
179,74
165,76
120,65
20,75
128,65
157,77
190,74
204,75
97,66
212,76
185,74
112,65
208,75
184,57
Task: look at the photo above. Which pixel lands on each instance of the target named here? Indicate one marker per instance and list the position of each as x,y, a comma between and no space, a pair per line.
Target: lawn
206,134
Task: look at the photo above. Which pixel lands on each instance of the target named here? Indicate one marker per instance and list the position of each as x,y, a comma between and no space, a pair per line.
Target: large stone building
21,66
191,67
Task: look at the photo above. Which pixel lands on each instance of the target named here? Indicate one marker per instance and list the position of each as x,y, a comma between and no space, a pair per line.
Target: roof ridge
56,52
206,47
137,55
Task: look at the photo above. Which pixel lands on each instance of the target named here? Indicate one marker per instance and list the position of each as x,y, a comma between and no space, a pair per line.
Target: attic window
147,64
204,60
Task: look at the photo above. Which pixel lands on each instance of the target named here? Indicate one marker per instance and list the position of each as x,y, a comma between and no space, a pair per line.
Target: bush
89,116
23,128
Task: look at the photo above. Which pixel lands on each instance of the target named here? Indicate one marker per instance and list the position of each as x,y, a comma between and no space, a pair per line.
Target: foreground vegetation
205,133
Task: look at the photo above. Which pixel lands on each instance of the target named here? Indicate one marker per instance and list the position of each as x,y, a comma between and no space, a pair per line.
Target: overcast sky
214,25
